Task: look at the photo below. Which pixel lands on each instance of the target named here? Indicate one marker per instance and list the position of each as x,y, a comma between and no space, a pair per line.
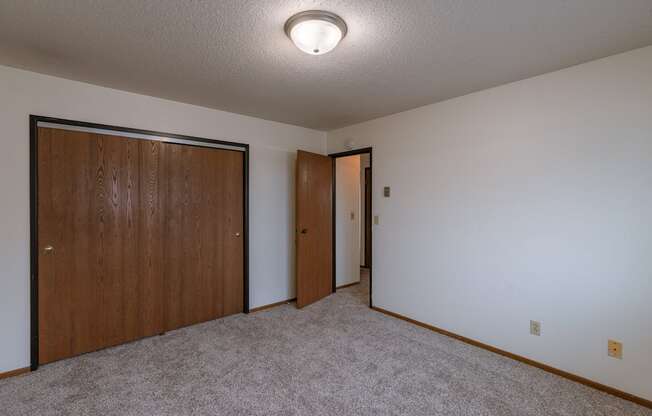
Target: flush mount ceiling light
315,32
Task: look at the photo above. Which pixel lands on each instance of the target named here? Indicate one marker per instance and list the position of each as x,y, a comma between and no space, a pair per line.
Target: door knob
48,249
304,231
237,234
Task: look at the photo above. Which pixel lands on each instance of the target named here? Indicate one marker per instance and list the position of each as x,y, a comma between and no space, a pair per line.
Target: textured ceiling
233,55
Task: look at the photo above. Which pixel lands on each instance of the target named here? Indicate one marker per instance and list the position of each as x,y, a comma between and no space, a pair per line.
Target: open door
314,227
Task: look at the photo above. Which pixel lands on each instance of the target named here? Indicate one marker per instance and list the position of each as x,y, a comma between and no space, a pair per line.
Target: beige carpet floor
336,357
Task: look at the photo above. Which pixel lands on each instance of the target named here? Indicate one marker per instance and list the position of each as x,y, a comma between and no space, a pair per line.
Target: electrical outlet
535,328
615,349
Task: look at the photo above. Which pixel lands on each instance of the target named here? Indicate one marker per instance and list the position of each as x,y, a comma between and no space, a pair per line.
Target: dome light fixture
315,32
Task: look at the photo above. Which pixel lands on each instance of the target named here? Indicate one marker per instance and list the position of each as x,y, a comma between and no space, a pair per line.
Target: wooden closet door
135,237
100,242
204,224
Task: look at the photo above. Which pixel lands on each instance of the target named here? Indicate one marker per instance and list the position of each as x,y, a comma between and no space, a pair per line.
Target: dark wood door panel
92,289
314,184
145,236
151,237
63,168
233,184
114,232
204,254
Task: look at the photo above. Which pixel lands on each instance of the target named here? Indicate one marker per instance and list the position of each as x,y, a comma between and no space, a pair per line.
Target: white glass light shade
315,37
315,32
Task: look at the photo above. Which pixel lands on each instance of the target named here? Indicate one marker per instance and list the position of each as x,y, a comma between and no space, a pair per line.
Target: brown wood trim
348,285
271,305
15,372
578,379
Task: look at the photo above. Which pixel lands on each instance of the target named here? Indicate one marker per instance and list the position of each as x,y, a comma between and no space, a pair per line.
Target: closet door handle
48,249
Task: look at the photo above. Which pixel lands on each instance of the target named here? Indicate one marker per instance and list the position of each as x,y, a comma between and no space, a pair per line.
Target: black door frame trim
334,156
367,241
33,206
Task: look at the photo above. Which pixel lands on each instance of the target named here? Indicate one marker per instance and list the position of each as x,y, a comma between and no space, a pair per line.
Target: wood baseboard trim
271,305
578,379
347,285
15,372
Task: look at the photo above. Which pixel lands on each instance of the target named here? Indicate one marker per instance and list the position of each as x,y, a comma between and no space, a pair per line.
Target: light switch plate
376,220
535,328
386,191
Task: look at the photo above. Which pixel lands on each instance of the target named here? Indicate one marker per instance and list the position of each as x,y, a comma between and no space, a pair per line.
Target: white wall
531,200
347,229
273,148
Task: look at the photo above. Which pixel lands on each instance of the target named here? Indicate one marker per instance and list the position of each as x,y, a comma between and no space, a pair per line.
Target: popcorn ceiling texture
336,357
233,55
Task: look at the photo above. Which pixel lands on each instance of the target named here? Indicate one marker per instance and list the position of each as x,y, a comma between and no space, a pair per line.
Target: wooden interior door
314,230
100,238
204,225
135,237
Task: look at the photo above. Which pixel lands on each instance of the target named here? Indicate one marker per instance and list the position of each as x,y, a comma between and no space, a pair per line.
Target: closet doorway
134,233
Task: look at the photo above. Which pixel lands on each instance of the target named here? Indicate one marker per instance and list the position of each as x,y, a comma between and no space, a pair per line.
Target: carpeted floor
336,357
